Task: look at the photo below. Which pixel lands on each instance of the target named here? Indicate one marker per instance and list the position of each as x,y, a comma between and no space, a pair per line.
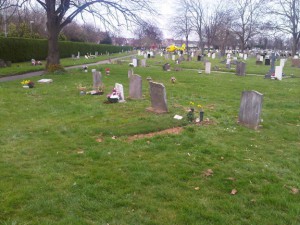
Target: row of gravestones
250,107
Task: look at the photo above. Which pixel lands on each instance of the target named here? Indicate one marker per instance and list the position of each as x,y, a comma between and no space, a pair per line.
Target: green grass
53,171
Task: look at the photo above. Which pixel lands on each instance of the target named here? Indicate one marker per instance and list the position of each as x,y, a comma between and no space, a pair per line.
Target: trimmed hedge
21,49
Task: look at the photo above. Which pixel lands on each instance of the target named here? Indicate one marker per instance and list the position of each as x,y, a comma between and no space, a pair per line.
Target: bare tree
148,35
287,19
247,19
182,24
196,11
62,12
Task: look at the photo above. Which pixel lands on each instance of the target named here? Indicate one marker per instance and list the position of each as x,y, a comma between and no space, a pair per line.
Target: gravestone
173,57
97,79
143,63
135,87
2,63
135,62
166,56
209,54
267,62
245,56
272,69
213,56
241,69
228,63
158,98
166,67
130,73
250,109
199,57
207,67
278,72
120,89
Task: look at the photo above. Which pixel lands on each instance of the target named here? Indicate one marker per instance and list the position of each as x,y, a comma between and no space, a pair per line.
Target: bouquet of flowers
27,84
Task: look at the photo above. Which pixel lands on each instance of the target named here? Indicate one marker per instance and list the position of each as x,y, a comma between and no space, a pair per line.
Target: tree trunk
53,51
294,47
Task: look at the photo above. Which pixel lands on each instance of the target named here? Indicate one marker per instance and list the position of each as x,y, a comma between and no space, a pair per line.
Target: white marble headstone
134,62
278,72
173,57
207,67
120,89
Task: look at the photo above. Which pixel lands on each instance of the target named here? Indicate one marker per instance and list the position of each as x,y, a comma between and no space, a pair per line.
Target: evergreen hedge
21,49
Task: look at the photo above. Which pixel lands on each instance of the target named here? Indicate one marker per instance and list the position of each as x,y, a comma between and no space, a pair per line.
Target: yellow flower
199,106
192,103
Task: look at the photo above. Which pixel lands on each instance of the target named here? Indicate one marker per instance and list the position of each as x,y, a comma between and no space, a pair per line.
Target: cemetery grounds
68,158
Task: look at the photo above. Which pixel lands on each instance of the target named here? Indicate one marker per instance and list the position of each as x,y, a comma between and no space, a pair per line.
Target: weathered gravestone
166,67
143,63
272,69
2,63
207,67
120,89
135,87
241,69
166,56
213,56
158,98
173,57
97,79
228,61
130,73
250,109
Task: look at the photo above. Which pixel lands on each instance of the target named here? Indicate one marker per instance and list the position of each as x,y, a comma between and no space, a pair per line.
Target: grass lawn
66,158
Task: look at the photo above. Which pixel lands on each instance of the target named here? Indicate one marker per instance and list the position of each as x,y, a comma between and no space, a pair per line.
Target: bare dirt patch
175,130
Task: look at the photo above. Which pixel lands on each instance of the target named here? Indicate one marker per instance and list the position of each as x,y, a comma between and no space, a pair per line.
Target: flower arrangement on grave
27,84
114,96
190,114
107,71
85,68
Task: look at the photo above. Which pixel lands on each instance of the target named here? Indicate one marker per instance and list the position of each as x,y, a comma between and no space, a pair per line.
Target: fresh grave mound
175,130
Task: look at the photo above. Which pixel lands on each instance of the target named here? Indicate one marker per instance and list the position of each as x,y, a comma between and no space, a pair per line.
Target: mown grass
60,165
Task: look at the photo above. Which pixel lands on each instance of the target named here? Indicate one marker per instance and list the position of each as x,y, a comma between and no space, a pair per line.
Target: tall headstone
173,57
272,69
130,73
135,62
250,109
278,72
135,87
241,69
213,56
158,98
207,67
143,63
97,79
120,89
245,56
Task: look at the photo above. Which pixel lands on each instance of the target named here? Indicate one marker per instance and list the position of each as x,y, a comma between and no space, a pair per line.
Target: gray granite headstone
158,98
135,87
97,79
250,109
241,69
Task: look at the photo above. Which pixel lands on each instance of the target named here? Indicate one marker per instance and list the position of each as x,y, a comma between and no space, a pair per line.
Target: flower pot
201,116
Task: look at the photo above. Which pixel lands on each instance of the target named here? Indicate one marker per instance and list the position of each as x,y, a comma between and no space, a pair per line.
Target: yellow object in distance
173,48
